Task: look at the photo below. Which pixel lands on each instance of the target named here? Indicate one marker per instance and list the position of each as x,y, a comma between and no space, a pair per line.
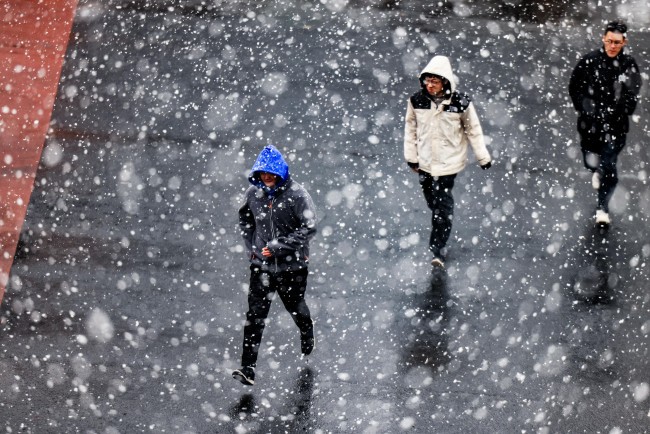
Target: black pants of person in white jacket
437,192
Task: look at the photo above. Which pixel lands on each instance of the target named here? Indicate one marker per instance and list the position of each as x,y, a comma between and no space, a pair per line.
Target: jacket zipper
275,259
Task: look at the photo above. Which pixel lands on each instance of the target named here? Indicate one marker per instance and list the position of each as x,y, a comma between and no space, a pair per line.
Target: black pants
291,286
604,162
437,192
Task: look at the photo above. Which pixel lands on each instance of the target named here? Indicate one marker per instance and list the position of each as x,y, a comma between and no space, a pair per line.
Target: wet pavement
126,301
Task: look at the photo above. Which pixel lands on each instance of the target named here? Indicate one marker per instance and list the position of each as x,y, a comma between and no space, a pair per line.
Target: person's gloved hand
414,166
486,166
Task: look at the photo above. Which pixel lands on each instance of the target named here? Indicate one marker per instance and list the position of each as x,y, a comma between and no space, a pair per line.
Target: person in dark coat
603,87
277,221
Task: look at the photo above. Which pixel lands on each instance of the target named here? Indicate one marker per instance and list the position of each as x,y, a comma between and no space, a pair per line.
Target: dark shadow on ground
244,408
595,257
296,416
428,340
300,404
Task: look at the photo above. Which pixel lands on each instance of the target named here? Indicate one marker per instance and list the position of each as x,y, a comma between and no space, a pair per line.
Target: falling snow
125,308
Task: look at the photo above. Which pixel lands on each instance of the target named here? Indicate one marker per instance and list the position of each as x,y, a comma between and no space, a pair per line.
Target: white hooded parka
436,138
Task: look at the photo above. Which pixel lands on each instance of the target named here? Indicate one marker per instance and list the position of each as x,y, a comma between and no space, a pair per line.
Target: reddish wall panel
33,40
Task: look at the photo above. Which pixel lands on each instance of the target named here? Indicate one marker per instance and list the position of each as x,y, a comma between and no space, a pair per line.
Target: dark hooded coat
282,218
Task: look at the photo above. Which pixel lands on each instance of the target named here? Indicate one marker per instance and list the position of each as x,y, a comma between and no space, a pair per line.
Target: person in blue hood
271,162
277,222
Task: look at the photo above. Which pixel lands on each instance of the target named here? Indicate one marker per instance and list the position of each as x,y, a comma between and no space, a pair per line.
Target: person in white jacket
439,124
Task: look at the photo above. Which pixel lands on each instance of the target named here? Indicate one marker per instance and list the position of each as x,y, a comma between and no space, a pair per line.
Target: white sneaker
595,180
602,218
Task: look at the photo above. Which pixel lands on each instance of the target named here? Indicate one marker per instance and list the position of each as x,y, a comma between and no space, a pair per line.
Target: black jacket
604,92
284,222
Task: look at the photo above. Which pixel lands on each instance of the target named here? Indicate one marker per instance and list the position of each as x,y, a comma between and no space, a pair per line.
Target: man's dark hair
616,27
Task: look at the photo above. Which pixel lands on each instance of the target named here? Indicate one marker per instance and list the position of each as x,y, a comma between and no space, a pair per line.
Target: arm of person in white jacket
411,137
474,134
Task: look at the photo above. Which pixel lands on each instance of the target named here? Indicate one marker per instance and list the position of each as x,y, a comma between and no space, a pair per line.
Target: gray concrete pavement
125,307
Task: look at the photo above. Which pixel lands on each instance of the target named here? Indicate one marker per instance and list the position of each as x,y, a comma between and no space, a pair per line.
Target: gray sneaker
438,262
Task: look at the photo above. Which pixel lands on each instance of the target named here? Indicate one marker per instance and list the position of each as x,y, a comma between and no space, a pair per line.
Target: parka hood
441,66
270,160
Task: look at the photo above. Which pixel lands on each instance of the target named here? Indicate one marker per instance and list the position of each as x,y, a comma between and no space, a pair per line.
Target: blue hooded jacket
270,160
282,218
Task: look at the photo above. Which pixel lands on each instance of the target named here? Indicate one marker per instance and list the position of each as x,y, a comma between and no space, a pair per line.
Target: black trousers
604,162
437,192
291,286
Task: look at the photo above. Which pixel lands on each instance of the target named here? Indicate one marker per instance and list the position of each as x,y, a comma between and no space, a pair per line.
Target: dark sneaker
307,342
438,262
245,375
